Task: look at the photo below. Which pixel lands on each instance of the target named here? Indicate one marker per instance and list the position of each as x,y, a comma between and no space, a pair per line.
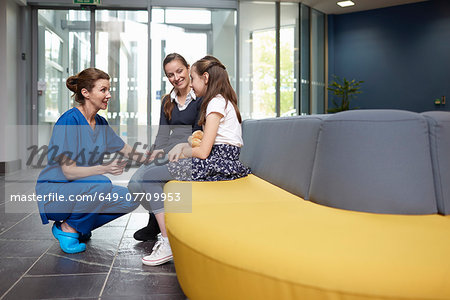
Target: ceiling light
345,3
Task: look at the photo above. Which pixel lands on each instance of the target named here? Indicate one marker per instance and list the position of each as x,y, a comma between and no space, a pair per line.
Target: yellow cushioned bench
355,205
269,244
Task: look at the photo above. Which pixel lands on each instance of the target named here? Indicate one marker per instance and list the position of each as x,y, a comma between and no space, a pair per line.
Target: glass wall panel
121,50
223,44
121,41
63,50
171,31
304,60
79,41
289,59
317,62
193,33
257,59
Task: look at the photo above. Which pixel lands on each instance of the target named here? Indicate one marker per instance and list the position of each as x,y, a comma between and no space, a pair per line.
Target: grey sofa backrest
439,129
374,161
282,150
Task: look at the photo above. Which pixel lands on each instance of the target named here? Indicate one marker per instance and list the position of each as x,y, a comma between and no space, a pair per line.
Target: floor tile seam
114,259
78,260
27,191
24,202
9,185
15,257
77,298
141,272
62,275
1,233
25,273
12,180
22,240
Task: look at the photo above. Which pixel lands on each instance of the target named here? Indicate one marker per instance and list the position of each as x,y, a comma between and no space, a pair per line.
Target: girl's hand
115,167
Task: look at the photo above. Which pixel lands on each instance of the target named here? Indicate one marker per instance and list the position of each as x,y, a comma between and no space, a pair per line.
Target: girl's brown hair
84,80
218,83
168,104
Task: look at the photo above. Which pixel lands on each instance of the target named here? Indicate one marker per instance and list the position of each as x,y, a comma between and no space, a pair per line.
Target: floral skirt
222,164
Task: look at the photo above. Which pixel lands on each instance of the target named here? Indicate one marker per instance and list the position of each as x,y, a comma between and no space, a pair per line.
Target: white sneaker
161,254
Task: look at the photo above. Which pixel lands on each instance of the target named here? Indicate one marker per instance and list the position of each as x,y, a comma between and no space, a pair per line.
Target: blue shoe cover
68,241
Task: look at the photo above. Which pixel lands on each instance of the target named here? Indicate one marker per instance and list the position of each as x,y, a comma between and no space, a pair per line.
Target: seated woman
81,138
178,119
215,159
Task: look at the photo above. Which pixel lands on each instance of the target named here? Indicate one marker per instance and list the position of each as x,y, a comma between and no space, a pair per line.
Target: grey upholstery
374,161
439,127
281,150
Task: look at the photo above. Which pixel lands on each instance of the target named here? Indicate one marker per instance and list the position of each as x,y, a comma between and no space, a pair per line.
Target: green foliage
344,91
264,72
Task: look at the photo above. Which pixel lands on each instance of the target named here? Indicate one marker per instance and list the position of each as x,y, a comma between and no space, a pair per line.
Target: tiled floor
32,266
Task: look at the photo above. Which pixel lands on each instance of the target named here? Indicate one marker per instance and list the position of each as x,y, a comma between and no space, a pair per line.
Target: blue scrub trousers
103,202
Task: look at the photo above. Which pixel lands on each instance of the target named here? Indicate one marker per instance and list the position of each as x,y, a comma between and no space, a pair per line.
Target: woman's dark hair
218,83
168,104
84,80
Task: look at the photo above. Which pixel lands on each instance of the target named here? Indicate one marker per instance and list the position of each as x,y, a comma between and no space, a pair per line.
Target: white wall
224,33
9,42
2,77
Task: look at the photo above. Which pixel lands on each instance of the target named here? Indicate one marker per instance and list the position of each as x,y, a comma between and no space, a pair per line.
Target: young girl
217,157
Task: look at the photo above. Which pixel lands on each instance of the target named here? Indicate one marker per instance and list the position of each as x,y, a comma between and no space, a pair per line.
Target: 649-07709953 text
96,197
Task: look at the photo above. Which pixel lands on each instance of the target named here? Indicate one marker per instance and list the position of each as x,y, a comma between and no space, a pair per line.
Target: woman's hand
140,157
177,152
186,151
115,167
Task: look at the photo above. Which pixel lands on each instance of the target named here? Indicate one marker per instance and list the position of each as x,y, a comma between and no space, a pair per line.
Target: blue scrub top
74,137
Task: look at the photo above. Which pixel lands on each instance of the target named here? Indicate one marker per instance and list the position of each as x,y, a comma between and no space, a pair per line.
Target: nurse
80,140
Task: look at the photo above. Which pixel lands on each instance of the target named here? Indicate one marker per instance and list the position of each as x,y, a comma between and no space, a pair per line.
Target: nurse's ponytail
84,80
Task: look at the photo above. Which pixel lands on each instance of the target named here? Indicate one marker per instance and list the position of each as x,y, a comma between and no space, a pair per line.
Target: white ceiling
330,6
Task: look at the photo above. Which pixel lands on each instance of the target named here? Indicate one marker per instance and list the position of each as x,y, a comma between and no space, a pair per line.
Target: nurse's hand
115,167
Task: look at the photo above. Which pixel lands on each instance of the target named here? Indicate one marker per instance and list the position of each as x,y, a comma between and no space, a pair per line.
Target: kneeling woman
86,198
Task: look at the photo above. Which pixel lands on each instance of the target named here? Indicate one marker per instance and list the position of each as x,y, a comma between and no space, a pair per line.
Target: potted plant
343,91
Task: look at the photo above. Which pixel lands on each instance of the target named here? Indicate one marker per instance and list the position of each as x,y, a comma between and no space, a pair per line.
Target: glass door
121,42
173,31
63,50
257,60
193,33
